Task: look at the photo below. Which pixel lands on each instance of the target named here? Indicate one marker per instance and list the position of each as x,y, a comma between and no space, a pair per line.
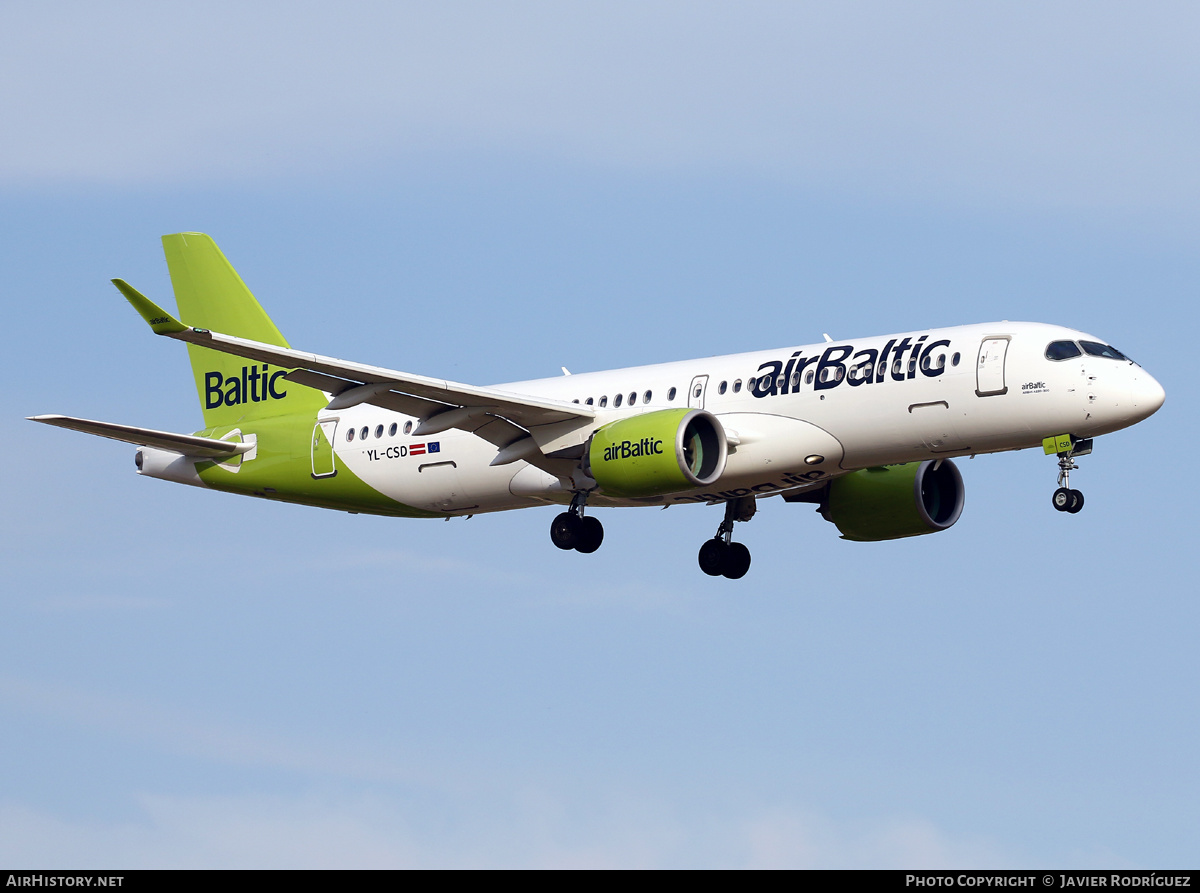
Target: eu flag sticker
435,447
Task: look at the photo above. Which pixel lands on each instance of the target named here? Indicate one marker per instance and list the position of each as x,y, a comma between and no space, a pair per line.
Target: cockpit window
1062,350
1096,349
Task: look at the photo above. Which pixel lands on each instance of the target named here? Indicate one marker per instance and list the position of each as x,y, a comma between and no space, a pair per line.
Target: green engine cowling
654,453
896,501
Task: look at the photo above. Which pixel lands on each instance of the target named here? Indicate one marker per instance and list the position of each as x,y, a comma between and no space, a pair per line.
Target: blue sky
488,194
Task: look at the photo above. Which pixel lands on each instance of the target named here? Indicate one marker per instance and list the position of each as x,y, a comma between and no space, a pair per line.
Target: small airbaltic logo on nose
253,387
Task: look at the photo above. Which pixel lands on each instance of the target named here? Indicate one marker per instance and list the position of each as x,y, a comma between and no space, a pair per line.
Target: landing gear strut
1065,499
720,556
574,530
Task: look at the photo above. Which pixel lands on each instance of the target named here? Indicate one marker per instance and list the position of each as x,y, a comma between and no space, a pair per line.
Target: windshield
1062,350
1096,349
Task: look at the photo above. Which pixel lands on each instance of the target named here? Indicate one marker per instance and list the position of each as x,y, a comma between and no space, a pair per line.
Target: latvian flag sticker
420,449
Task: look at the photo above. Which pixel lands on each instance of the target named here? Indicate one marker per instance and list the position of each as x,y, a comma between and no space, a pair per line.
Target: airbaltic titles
866,367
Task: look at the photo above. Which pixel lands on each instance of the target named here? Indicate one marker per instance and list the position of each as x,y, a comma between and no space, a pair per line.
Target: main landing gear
574,530
720,556
1065,499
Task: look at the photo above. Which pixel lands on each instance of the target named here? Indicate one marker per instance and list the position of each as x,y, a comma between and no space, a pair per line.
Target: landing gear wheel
1066,499
1076,502
589,536
565,531
712,557
737,561
1062,499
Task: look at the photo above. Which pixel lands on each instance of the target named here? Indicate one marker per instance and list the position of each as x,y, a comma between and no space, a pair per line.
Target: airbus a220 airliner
864,429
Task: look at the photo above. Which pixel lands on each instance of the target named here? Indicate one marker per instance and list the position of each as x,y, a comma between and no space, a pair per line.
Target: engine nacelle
895,501
667,451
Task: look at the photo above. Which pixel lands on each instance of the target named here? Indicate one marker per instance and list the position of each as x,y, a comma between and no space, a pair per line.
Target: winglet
161,322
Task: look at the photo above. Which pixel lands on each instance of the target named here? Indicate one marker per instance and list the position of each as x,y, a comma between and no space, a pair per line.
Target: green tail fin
211,295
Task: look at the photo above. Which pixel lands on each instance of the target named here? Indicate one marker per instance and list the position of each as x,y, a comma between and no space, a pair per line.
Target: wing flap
185,444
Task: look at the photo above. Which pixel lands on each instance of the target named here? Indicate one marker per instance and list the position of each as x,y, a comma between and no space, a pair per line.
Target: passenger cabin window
954,359
646,396
392,430
604,401
633,398
379,431
722,386
737,386
350,434
588,401
1062,350
671,394
363,433
407,427
617,400
1096,349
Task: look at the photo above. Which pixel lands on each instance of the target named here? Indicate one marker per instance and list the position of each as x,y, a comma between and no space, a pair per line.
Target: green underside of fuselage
282,469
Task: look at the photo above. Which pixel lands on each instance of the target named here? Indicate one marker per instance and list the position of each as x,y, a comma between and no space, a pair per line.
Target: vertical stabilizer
211,295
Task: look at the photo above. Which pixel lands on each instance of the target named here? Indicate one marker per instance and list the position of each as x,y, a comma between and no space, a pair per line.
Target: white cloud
448,810
526,827
70,602
181,732
1079,104
464,570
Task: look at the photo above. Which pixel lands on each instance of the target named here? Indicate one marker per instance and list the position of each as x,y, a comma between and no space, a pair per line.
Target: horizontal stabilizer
185,444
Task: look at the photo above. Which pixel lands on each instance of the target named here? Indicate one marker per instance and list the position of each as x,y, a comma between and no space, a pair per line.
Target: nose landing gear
574,530
1066,499
720,556
1068,449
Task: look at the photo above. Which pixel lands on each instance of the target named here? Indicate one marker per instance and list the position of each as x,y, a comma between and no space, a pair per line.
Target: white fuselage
794,417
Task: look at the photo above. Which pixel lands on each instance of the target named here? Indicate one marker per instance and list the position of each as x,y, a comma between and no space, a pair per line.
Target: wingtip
160,322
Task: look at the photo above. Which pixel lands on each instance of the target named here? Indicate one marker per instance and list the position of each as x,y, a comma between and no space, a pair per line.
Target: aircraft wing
186,444
500,417
340,377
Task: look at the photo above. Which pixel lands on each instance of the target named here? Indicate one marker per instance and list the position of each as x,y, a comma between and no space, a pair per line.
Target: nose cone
1146,394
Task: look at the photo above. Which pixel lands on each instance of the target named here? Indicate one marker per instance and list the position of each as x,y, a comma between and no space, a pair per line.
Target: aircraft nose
1147,394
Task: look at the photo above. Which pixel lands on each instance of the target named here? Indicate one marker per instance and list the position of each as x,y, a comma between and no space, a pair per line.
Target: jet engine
667,451
895,501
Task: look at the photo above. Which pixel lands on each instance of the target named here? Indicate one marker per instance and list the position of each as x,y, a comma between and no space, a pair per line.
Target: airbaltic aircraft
863,429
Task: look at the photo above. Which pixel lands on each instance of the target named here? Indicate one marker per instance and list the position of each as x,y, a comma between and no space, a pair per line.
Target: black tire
712,557
591,535
1076,502
737,561
1062,499
564,531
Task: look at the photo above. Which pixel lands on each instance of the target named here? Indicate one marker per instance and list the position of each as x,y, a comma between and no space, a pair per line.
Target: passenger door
989,371
322,448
